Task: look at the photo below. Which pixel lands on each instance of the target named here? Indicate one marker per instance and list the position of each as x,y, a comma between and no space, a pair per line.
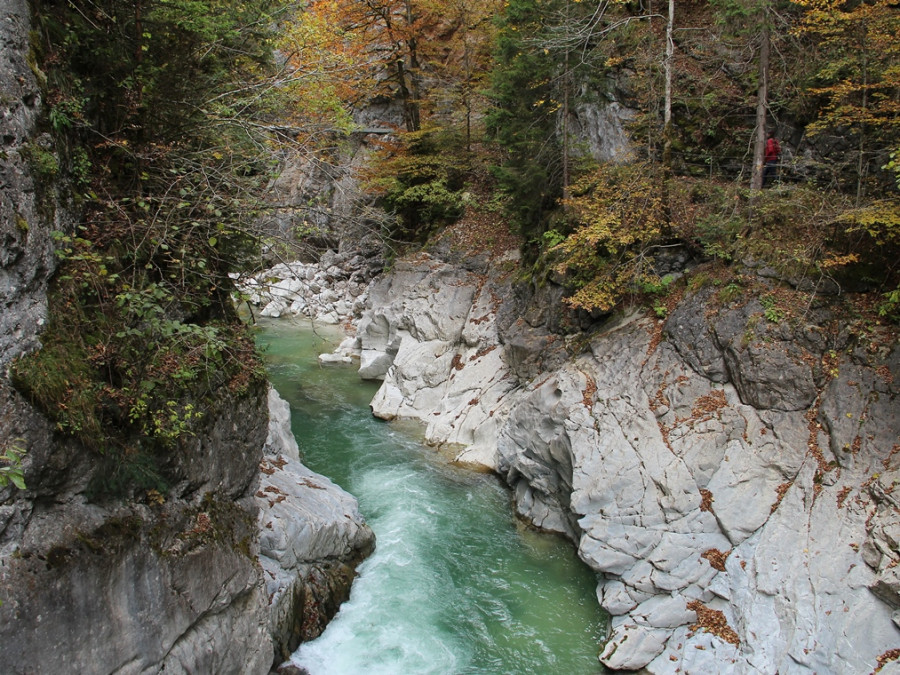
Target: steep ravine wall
730,479
26,251
247,554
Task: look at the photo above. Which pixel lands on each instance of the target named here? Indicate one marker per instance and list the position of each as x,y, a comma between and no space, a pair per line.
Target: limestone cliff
26,253
176,582
729,477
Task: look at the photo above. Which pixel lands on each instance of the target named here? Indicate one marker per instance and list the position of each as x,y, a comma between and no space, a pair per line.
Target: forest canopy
702,86
169,117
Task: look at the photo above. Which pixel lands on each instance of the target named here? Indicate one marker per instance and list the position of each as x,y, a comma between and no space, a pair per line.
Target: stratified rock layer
731,478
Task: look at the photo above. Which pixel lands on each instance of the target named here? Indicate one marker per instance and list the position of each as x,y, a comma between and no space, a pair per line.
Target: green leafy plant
894,166
889,307
142,334
731,292
552,238
421,179
11,463
618,218
772,313
44,161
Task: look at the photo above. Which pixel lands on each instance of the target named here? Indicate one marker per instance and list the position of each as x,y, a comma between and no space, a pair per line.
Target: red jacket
773,150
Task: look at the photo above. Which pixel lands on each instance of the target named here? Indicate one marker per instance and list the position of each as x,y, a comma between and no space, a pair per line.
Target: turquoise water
456,585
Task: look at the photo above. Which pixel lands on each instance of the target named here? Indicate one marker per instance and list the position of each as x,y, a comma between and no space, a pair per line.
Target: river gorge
455,584
697,463
442,461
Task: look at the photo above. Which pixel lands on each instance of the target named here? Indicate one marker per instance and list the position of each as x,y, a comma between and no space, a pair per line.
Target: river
456,585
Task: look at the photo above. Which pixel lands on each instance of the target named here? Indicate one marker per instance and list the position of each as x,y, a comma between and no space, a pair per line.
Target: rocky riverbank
208,580
312,537
730,477
331,291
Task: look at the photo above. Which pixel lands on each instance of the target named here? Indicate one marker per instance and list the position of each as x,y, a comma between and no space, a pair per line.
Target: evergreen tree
525,94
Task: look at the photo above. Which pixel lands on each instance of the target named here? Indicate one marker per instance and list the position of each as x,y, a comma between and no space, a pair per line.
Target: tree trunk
410,102
138,88
762,104
565,116
415,78
860,165
667,110
667,118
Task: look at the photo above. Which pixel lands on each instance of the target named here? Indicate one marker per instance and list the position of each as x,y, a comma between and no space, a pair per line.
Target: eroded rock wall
685,493
171,583
26,250
432,336
90,587
312,536
730,478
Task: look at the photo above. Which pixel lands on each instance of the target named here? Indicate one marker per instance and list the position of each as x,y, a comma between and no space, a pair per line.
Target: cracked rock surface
312,536
731,479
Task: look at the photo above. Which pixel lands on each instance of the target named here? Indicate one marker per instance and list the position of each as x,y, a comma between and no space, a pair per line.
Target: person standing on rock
773,152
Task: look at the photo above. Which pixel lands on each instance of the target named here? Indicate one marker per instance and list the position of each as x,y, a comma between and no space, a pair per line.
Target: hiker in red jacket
773,152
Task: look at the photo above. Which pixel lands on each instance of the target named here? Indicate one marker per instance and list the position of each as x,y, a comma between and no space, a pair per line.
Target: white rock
286,288
281,440
274,309
298,307
328,359
374,364
643,645
655,471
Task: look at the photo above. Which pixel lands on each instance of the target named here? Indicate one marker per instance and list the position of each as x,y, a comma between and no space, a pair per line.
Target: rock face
174,583
134,587
207,583
312,536
26,251
431,335
730,478
602,128
109,587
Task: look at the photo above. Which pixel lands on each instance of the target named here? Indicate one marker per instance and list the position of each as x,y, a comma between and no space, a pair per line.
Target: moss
58,380
127,527
33,58
90,543
127,381
218,521
44,162
112,534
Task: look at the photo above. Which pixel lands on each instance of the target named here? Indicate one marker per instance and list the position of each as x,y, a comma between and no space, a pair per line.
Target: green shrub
420,178
11,463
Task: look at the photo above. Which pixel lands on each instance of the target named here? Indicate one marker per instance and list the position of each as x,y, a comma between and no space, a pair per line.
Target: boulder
311,537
